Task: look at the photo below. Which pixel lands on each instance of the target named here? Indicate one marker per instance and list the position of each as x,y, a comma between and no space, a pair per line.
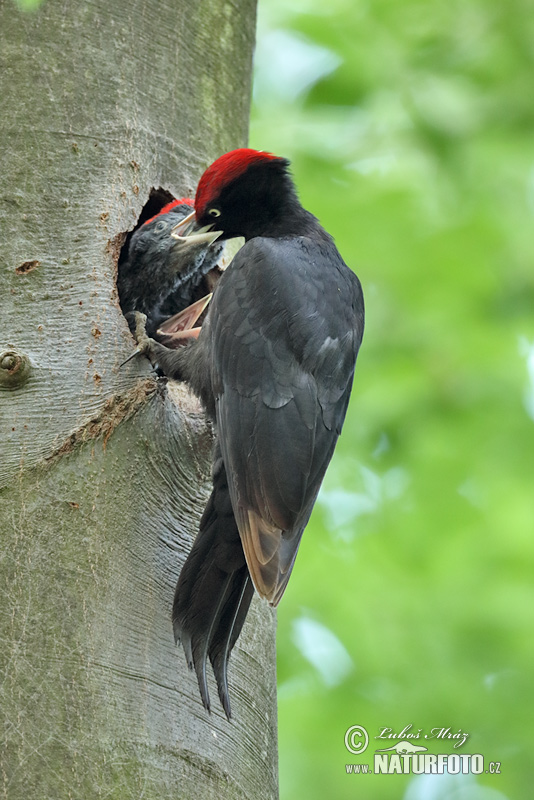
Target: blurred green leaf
409,126
28,5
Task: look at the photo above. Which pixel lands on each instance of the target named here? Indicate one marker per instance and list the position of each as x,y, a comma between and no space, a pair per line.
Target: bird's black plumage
273,365
215,590
282,356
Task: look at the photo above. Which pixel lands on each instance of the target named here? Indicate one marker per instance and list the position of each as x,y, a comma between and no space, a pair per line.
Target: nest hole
155,275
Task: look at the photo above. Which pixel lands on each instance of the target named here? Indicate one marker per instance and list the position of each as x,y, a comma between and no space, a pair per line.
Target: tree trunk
105,472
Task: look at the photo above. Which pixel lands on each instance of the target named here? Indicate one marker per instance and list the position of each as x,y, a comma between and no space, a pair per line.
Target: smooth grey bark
104,473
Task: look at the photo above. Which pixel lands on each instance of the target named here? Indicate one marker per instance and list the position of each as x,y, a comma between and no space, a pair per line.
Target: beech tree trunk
105,472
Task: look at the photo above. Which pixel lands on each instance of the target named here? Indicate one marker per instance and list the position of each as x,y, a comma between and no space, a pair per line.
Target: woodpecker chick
159,276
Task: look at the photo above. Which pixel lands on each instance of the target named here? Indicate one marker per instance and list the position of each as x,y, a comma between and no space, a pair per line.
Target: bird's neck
291,219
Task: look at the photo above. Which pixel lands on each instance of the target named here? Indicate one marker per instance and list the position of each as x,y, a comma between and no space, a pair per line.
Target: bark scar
27,266
116,410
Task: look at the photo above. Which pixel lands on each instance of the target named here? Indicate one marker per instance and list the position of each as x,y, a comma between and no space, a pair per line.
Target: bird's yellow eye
214,212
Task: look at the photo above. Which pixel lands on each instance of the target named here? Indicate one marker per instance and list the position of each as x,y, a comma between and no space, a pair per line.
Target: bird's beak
188,233
181,327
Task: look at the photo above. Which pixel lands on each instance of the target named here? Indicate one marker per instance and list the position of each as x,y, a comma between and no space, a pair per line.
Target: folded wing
282,375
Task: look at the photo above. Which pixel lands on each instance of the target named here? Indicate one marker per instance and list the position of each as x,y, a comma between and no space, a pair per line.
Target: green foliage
28,5
409,126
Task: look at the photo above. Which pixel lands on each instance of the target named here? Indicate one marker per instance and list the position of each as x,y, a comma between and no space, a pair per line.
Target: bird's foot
140,334
167,360
145,345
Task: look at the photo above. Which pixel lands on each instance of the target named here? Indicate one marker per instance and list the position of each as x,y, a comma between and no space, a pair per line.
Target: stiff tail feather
214,591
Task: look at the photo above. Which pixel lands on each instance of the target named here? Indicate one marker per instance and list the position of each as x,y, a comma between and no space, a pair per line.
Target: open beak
188,233
180,328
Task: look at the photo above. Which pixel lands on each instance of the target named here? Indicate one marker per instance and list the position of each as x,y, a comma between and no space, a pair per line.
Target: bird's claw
140,334
144,342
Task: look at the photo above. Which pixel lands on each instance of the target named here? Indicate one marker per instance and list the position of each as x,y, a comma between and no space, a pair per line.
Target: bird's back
285,328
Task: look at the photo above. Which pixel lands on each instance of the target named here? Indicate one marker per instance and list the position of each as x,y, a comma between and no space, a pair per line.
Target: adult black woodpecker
273,366
160,276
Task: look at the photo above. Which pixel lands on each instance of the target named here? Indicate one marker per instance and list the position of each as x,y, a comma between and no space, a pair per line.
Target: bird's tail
214,591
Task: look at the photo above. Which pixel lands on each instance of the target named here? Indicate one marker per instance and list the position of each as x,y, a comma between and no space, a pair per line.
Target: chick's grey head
159,276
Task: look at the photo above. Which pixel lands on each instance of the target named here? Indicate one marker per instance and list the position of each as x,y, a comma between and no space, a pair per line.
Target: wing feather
284,344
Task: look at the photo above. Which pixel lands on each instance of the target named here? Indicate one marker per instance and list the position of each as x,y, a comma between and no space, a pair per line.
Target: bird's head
243,193
154,232
181,205
153,246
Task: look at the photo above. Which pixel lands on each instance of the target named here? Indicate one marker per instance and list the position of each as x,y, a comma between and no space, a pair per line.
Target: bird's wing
284,335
